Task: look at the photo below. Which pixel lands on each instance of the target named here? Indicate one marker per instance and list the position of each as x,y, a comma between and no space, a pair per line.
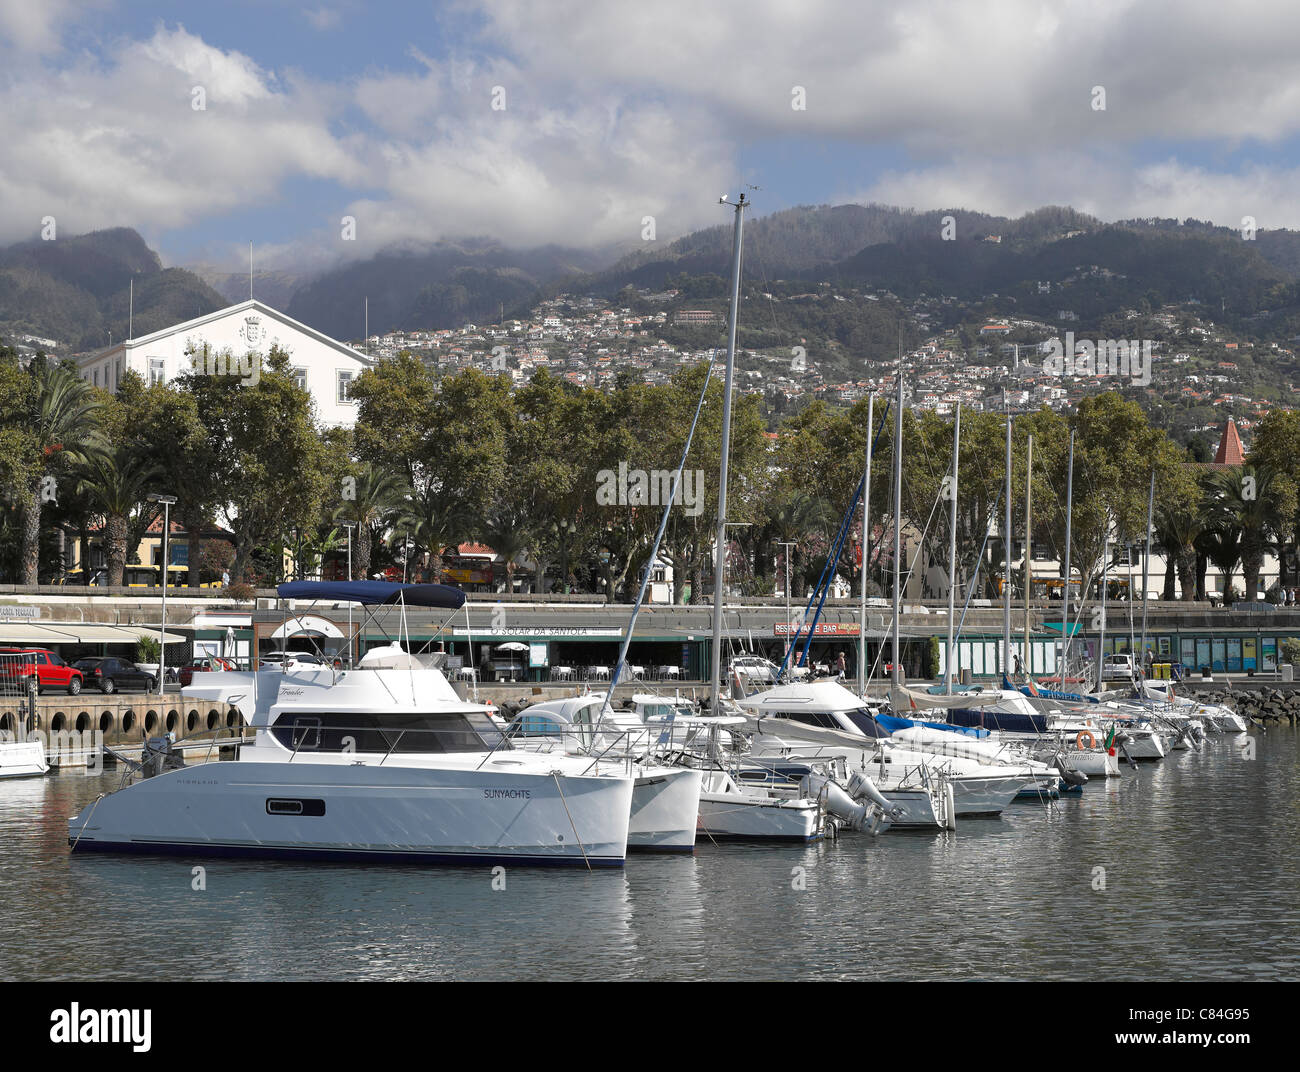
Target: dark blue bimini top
375,593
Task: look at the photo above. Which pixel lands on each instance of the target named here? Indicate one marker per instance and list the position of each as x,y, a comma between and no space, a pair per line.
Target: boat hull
665,811
364,813
975,794
22,759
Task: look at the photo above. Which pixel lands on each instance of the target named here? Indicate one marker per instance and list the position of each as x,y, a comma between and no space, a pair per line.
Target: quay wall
69,724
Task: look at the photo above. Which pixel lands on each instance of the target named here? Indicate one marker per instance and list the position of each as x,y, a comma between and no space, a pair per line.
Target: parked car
1120,667
111,674
50,671
215,662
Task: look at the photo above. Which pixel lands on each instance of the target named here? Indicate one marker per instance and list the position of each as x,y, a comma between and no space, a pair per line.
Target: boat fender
1085,740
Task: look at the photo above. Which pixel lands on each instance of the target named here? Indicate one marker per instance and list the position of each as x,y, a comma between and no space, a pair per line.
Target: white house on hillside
324,366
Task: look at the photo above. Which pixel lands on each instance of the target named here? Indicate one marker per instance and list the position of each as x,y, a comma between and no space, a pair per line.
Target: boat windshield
866,722
329,731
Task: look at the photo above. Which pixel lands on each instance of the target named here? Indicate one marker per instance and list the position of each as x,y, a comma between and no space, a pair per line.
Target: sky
207,126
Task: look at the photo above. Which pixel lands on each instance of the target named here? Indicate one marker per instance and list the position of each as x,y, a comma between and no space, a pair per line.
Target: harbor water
1184,869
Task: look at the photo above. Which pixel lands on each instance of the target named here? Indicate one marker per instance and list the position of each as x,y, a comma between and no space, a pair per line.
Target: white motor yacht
820,720
382,762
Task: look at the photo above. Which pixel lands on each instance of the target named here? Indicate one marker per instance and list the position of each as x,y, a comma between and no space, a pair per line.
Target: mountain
275,287
799,241
77,290
448,285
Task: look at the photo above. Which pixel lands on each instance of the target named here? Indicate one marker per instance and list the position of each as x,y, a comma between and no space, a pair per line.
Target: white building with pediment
323,366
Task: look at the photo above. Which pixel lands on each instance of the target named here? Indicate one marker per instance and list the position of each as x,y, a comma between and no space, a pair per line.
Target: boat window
369,732
865,721
535,726
811,718
304,733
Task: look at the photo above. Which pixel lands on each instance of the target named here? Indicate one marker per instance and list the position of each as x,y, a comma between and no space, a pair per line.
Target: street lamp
787,544
167,501
350,525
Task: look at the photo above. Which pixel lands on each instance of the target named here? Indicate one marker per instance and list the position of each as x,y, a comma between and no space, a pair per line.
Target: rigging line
903,579
755,257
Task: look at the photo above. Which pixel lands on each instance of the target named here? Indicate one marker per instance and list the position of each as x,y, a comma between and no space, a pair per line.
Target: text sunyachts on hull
379,763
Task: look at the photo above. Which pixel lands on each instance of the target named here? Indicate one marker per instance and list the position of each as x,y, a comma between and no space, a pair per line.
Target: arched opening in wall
150,723
83,722
191,720
212,720
6,723
128,721
230,720
58,722
105,722
172,719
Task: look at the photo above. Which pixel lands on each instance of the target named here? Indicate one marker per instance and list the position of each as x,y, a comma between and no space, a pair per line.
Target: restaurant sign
829,629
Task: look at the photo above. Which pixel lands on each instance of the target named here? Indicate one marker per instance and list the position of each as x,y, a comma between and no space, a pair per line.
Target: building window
117,373
156,371
300,377
96,377
344,393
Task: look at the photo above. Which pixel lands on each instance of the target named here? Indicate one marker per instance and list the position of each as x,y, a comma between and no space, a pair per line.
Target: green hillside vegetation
77,290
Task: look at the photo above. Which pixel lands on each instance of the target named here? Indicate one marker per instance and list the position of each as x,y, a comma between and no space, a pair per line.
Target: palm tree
1263,516
433,519
507,533
115,482
376,494
64,415
1179,526
1220,539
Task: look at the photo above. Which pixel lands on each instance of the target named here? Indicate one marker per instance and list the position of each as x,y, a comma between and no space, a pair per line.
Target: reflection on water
1198,854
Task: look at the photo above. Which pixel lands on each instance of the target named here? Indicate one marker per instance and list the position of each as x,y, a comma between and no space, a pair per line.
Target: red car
50,671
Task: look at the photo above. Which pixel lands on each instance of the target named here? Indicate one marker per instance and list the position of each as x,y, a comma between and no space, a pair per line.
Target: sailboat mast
720,551
1029,538
1065,597
952,551
1006,549
1101,635
896,677
866,543
1146,559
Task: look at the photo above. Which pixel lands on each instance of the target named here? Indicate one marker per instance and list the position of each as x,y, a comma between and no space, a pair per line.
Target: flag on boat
1031,687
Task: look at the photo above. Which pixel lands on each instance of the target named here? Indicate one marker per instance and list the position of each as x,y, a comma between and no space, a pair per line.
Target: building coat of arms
252,331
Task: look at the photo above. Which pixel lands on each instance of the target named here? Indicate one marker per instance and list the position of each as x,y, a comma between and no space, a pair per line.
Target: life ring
1084,735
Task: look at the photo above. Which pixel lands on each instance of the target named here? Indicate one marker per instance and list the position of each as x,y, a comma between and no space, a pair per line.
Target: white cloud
33,25
122,145
619,111
1096,184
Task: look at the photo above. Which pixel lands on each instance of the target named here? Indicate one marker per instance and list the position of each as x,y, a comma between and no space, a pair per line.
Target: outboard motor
1122,740
158,757
861,787
831,795
1070,777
